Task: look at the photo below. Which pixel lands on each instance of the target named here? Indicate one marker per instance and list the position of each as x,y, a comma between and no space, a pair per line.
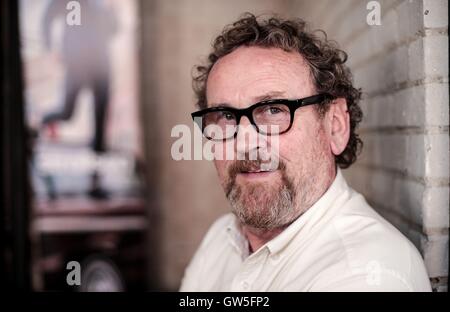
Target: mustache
249,165
240,166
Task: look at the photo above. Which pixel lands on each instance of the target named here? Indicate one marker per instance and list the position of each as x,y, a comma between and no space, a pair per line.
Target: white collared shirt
338,244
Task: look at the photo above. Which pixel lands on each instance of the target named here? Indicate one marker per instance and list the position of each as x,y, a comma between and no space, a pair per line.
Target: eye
274,110
227,115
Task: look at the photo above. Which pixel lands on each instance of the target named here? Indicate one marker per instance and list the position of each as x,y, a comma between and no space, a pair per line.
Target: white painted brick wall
405,152
402,67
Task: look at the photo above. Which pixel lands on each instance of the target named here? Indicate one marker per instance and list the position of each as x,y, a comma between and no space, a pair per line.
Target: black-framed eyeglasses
270,117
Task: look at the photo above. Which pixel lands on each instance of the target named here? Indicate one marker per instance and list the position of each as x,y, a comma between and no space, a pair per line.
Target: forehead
248,73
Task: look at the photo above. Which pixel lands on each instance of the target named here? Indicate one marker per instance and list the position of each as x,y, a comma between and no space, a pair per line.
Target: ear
339,121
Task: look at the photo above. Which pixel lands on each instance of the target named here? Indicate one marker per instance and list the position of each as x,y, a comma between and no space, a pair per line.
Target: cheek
221,150
222,153
292,150
301,144
221,167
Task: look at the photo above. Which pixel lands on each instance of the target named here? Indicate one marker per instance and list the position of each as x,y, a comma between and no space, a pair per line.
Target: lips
252,169
257,170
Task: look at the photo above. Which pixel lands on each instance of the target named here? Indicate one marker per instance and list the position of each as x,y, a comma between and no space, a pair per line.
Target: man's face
272,199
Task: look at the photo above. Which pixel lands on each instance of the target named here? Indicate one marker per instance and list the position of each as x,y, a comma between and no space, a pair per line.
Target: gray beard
270,206
264,206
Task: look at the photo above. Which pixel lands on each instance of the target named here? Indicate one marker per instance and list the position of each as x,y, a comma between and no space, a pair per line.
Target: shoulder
365,235
218,229
373,245
216,237
206,255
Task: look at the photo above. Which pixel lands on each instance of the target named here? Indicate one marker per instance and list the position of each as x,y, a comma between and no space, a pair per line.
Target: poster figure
86,59
81,91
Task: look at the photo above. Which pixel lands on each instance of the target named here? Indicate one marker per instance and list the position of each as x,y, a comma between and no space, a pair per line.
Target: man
297,226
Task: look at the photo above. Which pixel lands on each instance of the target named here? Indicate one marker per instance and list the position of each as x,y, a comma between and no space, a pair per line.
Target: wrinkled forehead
248,73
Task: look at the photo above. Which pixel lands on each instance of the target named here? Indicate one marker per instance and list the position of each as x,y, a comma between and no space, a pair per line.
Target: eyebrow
264,97
269,96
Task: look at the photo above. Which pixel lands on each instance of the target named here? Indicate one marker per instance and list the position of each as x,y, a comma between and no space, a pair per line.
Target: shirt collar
314,215
237,239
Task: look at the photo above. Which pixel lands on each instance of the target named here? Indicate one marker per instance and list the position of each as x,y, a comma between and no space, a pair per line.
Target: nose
248,140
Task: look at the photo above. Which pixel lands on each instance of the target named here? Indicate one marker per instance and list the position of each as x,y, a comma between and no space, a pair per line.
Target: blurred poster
81,78
80,63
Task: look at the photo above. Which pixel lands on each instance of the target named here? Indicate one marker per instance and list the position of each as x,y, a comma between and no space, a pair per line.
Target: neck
258,237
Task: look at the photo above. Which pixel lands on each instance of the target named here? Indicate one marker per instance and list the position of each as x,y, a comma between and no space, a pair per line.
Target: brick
436,56
435,208
417,155
333,17
435,250
416,67
375,39
387,33
391,33
410,13
403,108
352,22
437,102
379,76
436,155
437,13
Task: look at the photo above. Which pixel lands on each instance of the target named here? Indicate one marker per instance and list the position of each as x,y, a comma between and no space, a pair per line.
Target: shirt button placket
252,269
